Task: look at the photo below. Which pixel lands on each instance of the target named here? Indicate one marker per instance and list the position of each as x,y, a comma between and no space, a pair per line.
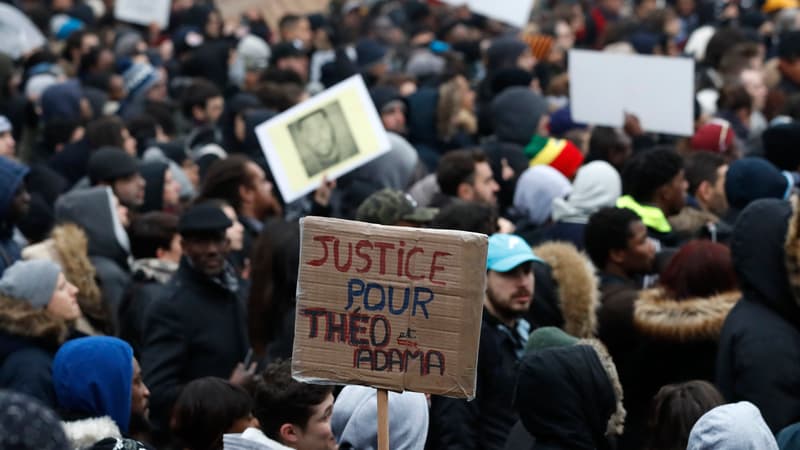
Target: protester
242,184
567,294
738,425
765,269
504,332
355,412
68,247
156,249
208,408
570,397
27,425
93,381
678,325
617,243
291,413
14,204
101,117
101,216
763,181
537,189
199,313
466,175
675,410
7,142
37,309
390,207
162,192
655,186
706,202
596,185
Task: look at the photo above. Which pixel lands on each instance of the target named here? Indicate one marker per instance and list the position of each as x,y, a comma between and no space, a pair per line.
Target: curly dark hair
649,170
608,229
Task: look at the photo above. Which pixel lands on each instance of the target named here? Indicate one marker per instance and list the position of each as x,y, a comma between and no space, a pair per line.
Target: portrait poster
329,135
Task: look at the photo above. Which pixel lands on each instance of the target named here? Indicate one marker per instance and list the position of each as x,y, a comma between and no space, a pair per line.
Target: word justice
374,257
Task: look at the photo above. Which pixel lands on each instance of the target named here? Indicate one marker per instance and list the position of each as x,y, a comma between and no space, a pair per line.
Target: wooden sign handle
383,419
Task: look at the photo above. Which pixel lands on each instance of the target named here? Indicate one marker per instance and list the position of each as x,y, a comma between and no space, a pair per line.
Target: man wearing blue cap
484,423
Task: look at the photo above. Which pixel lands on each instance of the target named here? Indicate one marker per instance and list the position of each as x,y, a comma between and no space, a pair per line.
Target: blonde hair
451,117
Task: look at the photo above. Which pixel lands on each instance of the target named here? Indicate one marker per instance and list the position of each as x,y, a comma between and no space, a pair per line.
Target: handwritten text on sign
389,307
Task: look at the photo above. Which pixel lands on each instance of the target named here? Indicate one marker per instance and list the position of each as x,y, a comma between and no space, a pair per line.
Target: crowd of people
642,289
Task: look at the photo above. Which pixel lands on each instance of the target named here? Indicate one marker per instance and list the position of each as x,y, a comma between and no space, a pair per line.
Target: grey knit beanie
32,281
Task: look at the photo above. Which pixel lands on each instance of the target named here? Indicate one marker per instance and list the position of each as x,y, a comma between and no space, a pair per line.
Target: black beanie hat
153,174
780,145
510,77
750,179
109,164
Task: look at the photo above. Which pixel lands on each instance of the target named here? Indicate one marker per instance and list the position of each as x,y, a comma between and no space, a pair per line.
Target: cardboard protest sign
329,134
272,10
516,12
391,307
143,12
658,90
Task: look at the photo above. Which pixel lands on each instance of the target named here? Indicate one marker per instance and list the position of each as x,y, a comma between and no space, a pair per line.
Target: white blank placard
143,12
512,12
658,90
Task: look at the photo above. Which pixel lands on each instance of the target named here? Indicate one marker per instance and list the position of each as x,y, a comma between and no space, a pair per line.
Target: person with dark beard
486,421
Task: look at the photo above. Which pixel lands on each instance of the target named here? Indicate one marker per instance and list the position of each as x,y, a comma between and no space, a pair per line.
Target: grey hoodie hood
395,168
596,185
93,210
516,112
355,419
737,426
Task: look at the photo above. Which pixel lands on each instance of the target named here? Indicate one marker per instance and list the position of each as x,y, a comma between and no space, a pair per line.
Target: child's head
676,408
208,408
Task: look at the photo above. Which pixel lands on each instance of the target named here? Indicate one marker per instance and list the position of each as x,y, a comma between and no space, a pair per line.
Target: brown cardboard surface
432,345
273,10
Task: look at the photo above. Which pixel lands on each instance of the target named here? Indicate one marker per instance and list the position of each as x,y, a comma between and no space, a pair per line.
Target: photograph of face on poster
327,135
323,138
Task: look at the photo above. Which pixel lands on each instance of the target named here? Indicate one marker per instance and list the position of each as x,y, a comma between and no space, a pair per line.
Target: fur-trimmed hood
659,316
792,249
616,423
19,319
578,291
85,433
570,397
68,246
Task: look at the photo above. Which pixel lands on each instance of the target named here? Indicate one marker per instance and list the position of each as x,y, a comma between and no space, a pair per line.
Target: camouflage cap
388,207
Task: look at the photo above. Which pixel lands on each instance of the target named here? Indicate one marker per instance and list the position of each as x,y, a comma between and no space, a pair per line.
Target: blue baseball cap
507,251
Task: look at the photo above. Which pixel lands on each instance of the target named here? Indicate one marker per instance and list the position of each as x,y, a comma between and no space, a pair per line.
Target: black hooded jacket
516,120
759,348
565,398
